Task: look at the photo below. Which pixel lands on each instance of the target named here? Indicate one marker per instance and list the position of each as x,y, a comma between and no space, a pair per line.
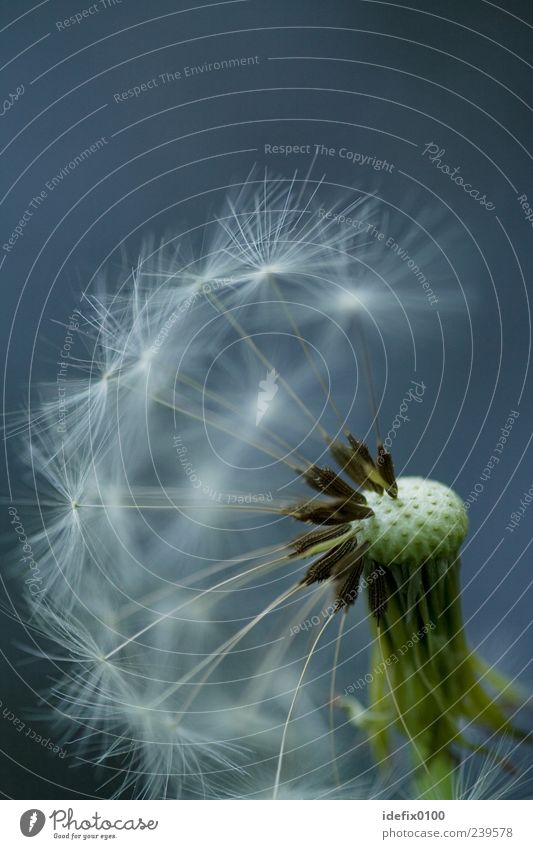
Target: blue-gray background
379,78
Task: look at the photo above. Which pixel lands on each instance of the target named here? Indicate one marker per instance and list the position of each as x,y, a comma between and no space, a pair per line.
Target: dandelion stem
397,706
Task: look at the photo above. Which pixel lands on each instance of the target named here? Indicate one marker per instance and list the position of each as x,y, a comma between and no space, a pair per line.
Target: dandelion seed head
192,416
